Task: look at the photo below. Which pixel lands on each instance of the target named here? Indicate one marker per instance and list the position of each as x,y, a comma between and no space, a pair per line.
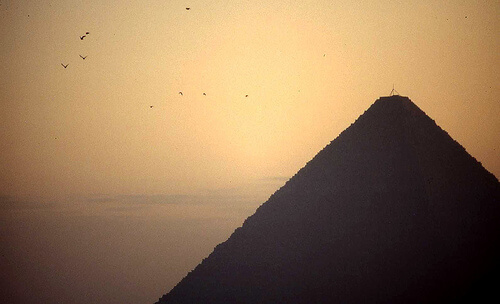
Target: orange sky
309,68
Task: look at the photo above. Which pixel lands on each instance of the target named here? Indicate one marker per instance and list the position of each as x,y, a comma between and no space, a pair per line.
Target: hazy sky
84,155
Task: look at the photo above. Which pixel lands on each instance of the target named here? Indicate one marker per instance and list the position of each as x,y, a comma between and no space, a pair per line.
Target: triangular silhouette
392,211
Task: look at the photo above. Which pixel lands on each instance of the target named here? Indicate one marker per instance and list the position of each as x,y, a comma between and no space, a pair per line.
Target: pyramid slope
393,210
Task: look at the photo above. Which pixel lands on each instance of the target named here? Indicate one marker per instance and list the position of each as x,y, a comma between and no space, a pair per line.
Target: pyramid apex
394,97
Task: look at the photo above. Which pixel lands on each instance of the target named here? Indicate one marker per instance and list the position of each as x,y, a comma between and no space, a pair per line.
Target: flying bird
204,94
83,57
150,107
81,37
65,66
188,8
246,95
87,33
180,93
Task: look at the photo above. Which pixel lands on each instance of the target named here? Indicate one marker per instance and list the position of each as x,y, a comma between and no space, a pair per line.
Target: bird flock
84,57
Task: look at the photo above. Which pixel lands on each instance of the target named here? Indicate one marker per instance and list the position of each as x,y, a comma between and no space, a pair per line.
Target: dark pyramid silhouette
392,211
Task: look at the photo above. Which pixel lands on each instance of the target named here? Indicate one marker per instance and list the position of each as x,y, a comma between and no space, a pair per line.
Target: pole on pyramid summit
394,92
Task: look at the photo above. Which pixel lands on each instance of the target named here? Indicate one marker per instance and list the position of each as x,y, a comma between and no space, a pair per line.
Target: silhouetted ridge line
391,211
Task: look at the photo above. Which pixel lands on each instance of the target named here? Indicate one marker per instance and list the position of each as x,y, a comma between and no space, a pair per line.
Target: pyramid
391,211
